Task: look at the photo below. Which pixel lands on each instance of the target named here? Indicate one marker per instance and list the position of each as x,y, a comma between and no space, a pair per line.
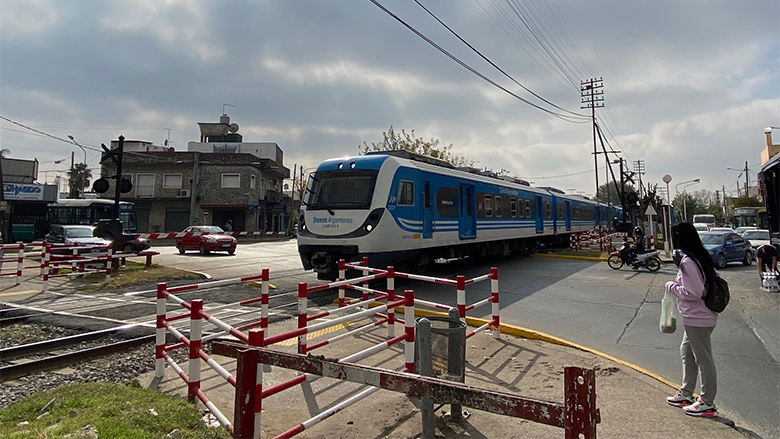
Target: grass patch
134,273
116,411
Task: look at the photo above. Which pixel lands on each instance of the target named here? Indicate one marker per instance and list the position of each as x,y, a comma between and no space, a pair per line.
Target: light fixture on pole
668,217
677,192
685,199
83,177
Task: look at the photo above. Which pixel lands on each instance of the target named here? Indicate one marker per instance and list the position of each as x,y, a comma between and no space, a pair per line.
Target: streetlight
83,177
668,217
694,181
685,200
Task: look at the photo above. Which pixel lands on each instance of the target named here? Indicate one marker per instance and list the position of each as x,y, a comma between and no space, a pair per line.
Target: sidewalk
631,404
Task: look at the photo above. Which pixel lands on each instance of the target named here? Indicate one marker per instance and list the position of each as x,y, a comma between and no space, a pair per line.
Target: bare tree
392,141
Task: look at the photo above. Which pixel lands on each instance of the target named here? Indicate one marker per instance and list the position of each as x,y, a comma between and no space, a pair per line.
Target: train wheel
615,262
653,264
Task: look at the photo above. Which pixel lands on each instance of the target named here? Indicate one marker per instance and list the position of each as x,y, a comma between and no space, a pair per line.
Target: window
406,193
427,194
342,190
128,177
528,208
559,208
547,210
513,208
171,181
252,182
447,202
488,206
145,186
499,211
231,180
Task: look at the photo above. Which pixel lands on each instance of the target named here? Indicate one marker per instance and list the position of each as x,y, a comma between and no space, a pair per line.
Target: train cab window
488,206
547,210
513,208
406,193
498,211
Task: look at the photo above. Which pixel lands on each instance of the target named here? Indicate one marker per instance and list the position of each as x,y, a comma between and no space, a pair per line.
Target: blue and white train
408,210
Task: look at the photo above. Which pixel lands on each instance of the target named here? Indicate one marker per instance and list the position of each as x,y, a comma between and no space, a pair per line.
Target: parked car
726,247
75,235
214,241
756,238
741,230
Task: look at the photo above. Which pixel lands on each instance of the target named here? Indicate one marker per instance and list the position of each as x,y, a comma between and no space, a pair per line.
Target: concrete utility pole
639,169
591,98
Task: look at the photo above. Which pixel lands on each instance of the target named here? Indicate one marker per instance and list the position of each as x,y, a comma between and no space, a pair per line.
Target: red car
214,241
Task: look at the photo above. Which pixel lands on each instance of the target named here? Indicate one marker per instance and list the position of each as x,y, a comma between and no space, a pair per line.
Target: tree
392,141
78,179
608,193
4,152
689,205
747,202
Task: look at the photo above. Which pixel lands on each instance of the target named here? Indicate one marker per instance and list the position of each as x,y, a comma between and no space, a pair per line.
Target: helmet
638,231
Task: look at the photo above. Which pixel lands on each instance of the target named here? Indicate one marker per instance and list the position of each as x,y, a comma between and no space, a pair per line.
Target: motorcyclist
638,247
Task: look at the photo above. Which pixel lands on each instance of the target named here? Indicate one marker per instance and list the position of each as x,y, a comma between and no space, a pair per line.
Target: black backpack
717,296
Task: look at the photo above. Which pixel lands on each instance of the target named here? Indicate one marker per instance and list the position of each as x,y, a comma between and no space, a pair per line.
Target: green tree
78,179
392,141
608,193
687,205
747,202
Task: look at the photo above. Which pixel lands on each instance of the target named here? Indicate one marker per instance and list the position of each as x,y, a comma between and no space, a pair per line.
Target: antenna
226,105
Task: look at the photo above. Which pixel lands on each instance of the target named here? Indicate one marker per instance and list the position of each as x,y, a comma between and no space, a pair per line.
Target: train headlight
369,227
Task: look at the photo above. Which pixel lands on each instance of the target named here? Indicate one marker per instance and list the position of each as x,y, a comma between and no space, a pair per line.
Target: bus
749,216
90,211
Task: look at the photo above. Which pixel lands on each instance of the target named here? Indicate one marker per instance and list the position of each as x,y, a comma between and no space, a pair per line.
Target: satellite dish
233,127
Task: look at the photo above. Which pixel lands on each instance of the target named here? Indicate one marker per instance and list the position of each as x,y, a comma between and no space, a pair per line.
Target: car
136,245
72,235
206,239
722,230
741,230
725,247
756,238
701,227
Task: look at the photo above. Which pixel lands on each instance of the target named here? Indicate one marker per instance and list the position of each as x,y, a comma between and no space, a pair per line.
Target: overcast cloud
689,86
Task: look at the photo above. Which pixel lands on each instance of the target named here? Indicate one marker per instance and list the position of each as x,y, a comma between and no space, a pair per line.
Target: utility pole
747,181
639,169
592,98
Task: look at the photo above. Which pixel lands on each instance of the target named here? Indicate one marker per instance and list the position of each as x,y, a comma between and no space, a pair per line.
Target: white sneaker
700,408
680,400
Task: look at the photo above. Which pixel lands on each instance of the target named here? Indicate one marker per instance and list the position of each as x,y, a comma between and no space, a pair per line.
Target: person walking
696,272
228,227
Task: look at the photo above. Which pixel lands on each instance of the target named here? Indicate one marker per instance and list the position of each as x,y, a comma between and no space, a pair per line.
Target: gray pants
696,352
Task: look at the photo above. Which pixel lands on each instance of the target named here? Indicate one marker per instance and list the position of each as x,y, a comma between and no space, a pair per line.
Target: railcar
408,210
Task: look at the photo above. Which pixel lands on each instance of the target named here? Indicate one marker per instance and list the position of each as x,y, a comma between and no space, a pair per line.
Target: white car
76,236
701,227
722,230
740,230
756,238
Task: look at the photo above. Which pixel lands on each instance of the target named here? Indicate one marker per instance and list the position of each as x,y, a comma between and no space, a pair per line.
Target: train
408,210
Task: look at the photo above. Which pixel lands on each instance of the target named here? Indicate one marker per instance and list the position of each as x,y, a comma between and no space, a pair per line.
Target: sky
688,86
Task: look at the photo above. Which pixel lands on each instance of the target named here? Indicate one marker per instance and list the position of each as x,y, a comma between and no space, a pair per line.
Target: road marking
316,334
13,293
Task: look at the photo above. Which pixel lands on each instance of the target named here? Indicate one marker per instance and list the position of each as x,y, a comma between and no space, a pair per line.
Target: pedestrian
228,225
615,224
696,272
766,259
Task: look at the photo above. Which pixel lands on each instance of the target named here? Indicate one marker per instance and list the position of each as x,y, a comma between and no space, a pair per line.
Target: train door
567,214
467,215
427,211
555,214
539,214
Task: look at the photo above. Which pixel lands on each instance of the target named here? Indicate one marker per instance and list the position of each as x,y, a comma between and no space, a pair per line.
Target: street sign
205,212
650,211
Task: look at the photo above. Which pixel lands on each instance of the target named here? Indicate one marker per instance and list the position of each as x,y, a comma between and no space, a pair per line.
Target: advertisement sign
23,191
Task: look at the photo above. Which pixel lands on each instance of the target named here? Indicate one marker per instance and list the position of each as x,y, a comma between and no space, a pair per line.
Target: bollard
159,341
425,369
456,353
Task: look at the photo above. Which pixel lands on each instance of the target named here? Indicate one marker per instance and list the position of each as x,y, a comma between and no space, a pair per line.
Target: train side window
488,206
406,193
427,194
560,211
499,211
513,208
547,210
528,213
447,202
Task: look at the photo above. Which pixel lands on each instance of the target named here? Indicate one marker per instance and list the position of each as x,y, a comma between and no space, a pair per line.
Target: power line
564,117
492,63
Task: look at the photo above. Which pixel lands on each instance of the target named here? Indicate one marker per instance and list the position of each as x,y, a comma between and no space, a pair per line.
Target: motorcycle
649,260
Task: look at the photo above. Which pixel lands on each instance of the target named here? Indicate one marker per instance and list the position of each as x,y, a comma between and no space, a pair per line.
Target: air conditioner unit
183,193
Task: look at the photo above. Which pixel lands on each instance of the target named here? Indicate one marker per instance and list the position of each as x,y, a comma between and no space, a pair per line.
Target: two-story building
219,178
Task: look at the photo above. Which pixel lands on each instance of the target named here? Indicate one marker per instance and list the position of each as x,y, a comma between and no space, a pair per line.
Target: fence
53,257
596,239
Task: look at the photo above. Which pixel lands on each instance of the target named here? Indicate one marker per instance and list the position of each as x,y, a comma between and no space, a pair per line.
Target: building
24,203
217,179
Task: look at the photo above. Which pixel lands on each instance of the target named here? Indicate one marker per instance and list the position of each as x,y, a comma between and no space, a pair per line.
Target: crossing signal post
111,228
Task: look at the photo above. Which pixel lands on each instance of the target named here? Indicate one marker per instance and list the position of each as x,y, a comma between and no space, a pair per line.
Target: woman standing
696,272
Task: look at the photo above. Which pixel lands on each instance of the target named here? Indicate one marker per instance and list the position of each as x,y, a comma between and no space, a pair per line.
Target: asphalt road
615,312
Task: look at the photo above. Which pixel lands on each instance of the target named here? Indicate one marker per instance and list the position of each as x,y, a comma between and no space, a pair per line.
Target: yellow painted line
259,283
316,334
13,293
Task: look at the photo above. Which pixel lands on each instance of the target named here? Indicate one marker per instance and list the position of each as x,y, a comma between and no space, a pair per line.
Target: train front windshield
330,190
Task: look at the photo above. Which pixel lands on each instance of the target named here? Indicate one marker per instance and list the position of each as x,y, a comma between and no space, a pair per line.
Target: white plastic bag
668,323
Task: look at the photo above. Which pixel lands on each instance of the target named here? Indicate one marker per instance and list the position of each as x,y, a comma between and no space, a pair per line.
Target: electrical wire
493,64
563,117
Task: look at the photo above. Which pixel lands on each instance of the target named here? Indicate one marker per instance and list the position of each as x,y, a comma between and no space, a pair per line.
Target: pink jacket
689,289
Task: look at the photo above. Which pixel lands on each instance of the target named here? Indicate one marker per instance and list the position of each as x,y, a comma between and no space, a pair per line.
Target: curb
577,258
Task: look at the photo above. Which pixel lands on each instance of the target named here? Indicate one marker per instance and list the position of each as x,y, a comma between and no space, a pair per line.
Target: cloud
32,19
